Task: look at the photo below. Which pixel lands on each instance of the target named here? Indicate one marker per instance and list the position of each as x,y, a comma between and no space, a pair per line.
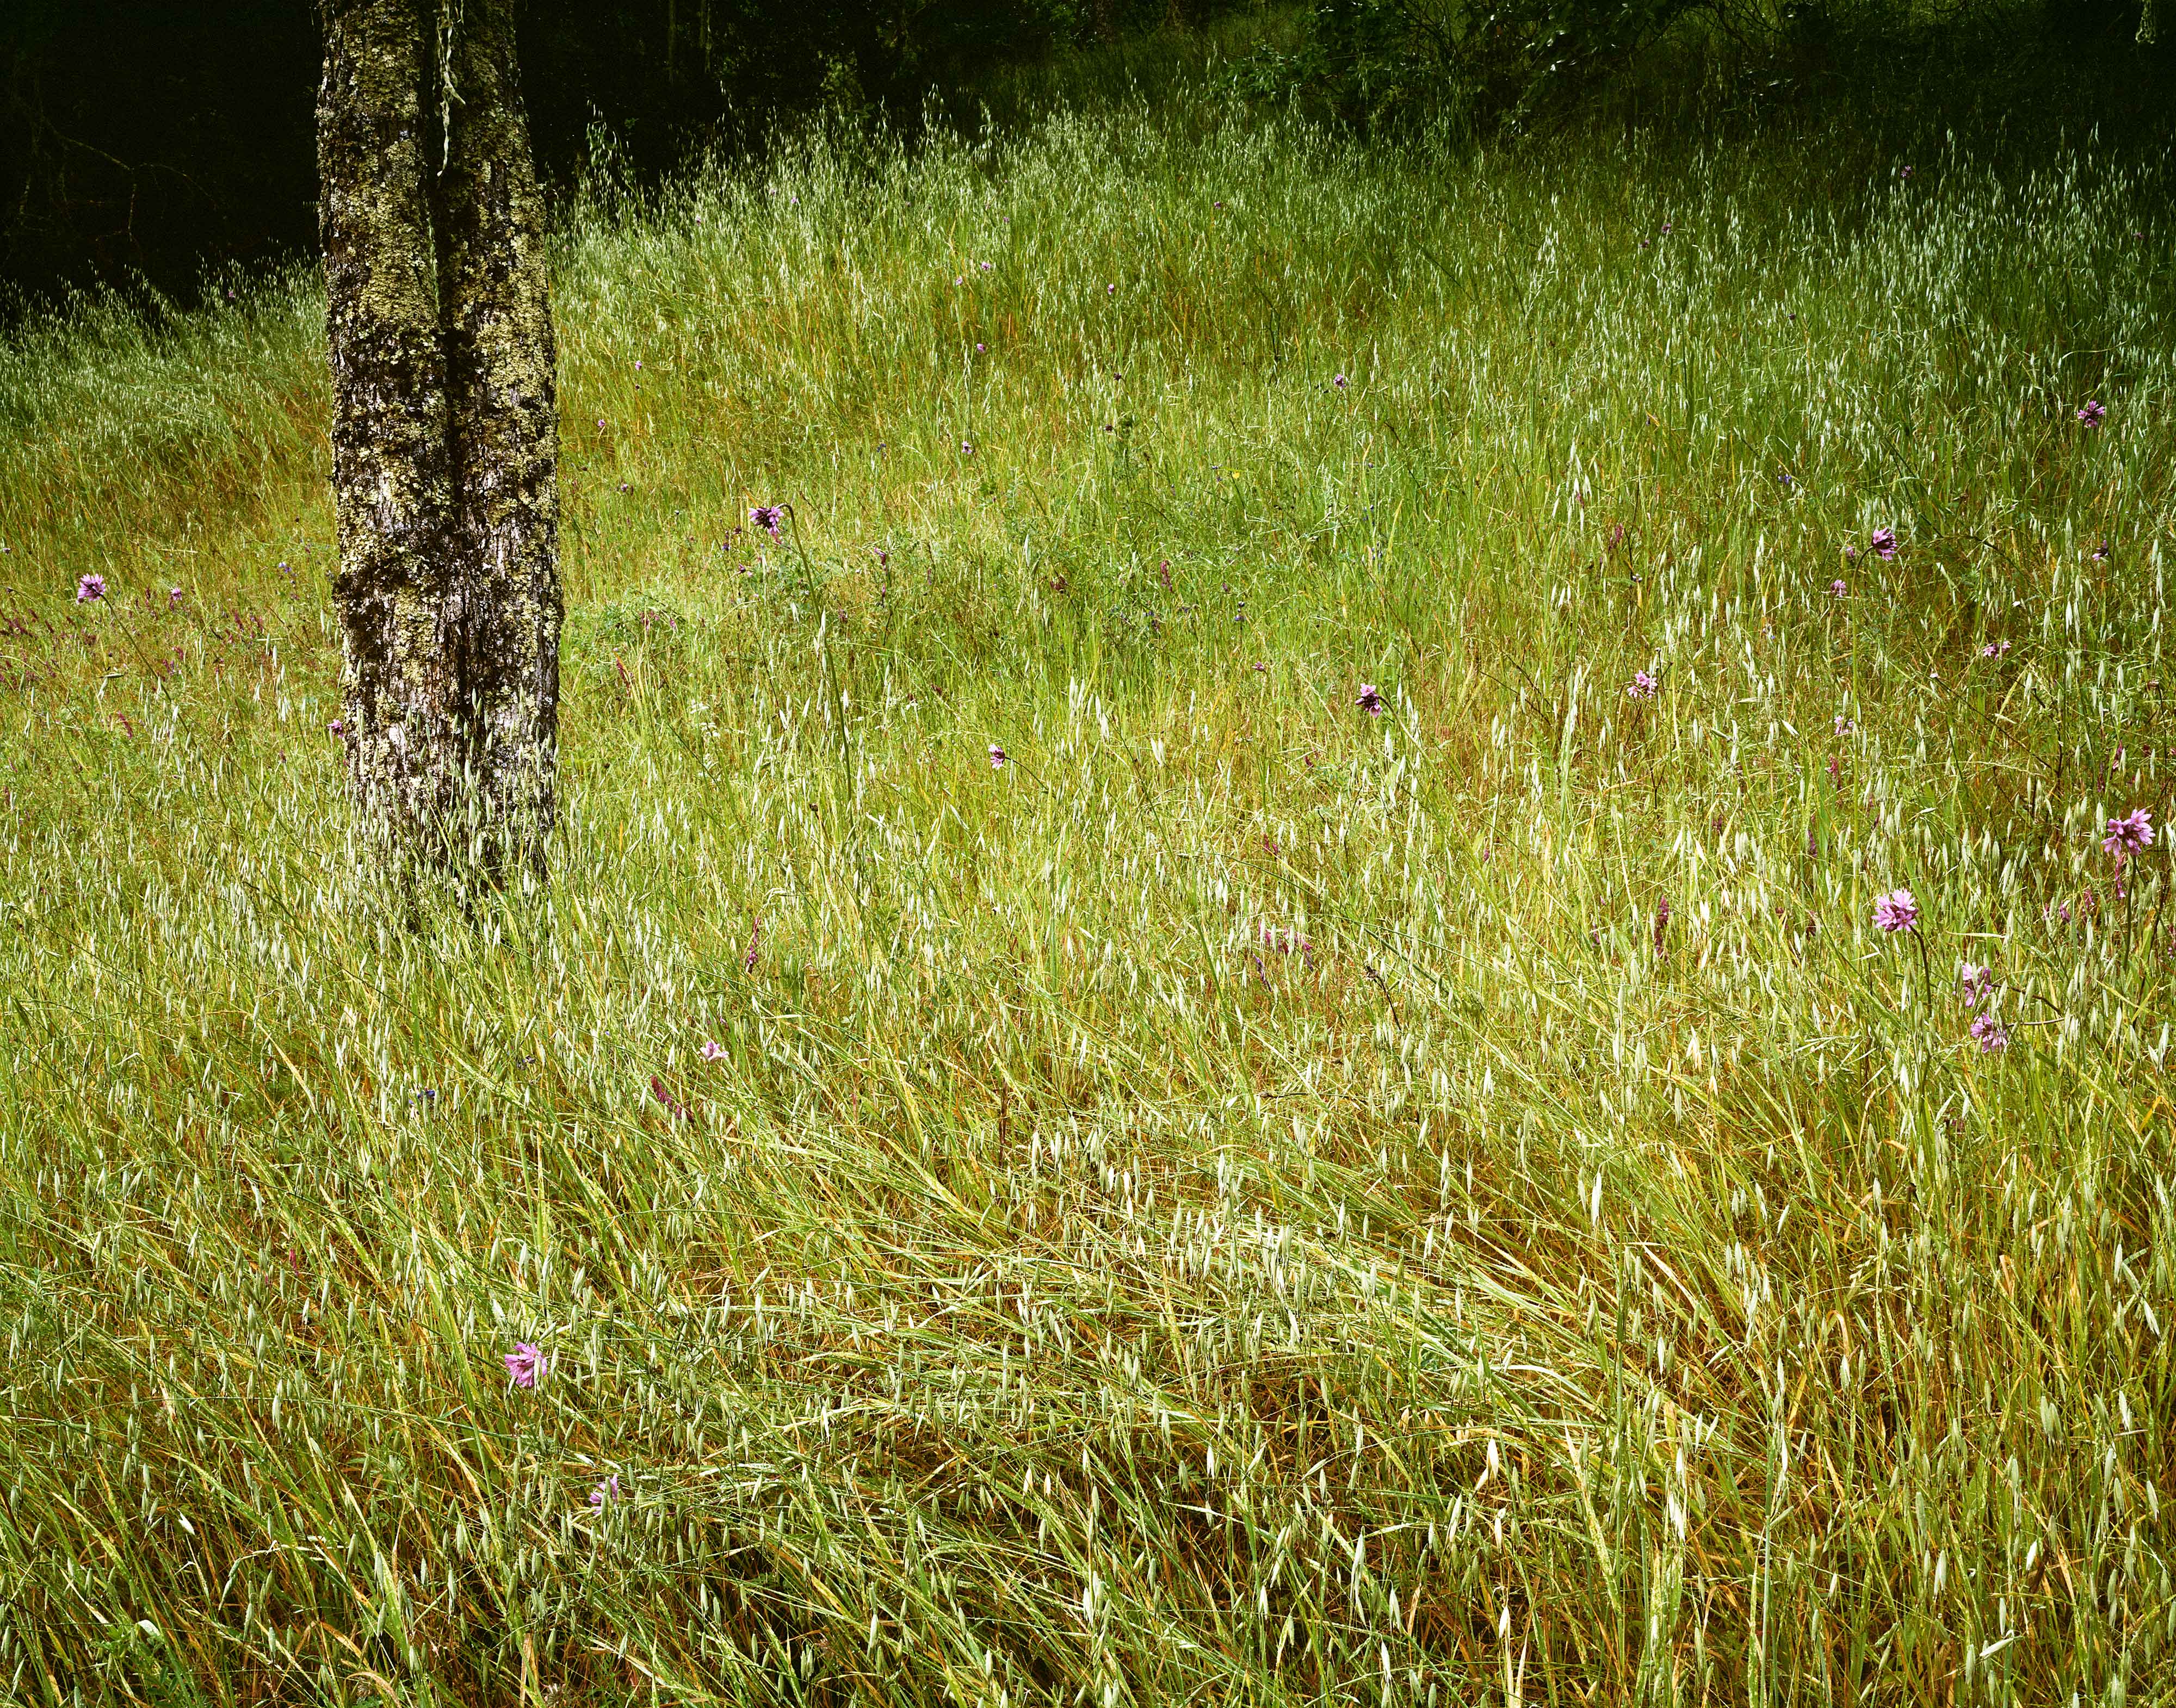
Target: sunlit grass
1248,1201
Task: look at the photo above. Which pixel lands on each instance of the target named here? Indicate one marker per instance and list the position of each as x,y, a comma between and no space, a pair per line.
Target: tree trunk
445,440
500,380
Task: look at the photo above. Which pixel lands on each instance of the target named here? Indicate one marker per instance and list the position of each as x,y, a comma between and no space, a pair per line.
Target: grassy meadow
1257,1197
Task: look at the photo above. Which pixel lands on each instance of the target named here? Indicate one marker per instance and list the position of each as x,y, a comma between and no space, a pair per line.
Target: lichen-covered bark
497,316
445,443
397,594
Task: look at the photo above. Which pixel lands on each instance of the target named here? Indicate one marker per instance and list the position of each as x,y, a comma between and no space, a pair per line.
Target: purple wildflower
755,941
2100,552
1837,588
1977,980
980,348
712,1051
1896,911
1844,725
1883,544
607,1490
92,586
1990,1033
1904,173
337,727
1368,699
2128,835
1339,382
2094,413
996,757
526,1363
1994,649
767,517
1643,686
173,596
1662,922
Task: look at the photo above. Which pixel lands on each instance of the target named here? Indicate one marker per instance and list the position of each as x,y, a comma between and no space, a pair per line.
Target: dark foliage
1493,65
159,140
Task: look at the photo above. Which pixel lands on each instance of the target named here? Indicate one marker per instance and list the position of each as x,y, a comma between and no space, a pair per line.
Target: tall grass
1247,1200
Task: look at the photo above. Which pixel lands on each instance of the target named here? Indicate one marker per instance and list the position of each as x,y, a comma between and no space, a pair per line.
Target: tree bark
397,595
500,375
445,440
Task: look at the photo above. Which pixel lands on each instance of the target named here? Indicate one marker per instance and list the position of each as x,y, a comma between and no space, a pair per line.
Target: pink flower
2094,413
1837,589
526,1363
996,757
607,1490
92,586
1896,911
1991,1034
767,517
1994,649
1883,544
1339,382
1643,686
1369,699
174,596
1977,980
712,1051
1844,725
756,943
2128,835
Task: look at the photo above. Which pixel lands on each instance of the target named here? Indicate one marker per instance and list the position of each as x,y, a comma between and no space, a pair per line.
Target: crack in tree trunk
445,441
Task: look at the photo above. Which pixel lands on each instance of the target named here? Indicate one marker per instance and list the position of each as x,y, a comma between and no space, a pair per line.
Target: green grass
1243,1204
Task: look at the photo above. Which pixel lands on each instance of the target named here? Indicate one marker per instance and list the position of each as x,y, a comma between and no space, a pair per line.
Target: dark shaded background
160,144
160,141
